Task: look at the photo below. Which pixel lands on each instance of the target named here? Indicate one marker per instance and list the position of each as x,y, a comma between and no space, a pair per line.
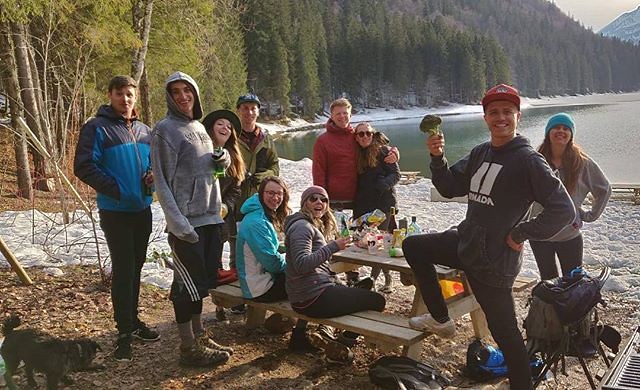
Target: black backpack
562,308
403,373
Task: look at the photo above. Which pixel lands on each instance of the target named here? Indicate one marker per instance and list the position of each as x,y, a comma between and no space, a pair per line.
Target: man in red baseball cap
501,178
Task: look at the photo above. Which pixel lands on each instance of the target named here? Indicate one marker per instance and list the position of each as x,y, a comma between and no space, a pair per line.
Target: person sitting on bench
260,265
310,286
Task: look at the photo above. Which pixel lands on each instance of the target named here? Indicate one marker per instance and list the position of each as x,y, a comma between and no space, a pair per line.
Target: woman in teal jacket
260,265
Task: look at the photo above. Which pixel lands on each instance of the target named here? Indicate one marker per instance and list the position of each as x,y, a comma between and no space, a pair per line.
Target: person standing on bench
580,176
502,178
260,264
310,287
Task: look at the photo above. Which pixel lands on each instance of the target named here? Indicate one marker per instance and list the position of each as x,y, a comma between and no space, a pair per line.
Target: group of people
125,162
515,194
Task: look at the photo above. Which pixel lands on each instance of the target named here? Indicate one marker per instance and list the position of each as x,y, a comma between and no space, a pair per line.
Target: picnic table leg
413,351
418,307
479,322
255,317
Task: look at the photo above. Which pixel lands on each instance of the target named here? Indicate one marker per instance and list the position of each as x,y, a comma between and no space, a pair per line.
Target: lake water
607,128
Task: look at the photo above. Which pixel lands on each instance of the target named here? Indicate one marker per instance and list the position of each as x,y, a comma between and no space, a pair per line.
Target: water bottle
413,227
218,170
344,232
491,356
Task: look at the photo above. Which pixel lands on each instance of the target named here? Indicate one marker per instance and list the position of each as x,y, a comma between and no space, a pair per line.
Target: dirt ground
77,305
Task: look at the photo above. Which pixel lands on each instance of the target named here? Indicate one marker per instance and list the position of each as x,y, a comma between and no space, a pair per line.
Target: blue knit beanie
561,119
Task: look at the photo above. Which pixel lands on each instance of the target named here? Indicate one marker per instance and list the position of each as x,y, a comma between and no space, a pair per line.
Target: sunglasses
362,134
315,198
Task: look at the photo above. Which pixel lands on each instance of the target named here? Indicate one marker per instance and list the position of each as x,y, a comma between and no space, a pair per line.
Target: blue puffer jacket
112,156
257,257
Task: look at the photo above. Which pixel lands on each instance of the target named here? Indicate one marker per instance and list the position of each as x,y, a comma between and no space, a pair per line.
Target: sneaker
326,331
122,352
239,309
145,334
428,324
347,338
206,340
279,324
334,351
299,342
200,356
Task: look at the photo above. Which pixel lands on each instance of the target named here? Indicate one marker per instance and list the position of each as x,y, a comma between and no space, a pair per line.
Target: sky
596,13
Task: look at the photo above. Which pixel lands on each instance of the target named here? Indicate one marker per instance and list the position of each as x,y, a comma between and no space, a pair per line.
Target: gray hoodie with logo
183,163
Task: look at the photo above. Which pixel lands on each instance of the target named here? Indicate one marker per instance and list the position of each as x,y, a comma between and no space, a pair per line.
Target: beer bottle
393,224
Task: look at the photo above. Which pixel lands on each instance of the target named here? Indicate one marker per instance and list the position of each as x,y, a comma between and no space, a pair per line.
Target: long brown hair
573,160
276,217
368,157
237,167
326,224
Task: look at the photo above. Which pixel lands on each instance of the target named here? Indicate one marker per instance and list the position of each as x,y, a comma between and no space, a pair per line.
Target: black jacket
501,184
376,186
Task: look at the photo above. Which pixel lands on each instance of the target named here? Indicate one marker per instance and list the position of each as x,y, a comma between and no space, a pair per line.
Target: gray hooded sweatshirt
308,255
182,161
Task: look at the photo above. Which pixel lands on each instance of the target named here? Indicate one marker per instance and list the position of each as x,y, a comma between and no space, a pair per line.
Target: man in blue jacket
501,178
112,156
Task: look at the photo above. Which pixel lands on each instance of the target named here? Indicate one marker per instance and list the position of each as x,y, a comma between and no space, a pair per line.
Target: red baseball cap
501,92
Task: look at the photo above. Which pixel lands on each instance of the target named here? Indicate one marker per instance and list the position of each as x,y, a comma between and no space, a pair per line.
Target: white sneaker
427,324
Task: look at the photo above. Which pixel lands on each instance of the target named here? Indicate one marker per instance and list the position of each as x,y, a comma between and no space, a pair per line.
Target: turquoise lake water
607,128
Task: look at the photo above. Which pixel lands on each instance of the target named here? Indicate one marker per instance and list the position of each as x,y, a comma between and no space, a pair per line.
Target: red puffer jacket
334,162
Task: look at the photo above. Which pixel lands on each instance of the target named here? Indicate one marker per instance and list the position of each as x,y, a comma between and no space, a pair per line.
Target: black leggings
569,254
185,310
338,300
422,252
276,293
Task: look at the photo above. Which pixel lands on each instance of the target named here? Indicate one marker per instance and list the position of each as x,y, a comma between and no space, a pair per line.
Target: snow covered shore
40,240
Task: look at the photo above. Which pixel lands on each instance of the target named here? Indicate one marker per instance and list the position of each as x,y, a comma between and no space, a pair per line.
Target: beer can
396,240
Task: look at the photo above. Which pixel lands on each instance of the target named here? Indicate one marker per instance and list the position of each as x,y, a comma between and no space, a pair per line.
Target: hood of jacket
293,218
172,107
106,111
333,128
252,204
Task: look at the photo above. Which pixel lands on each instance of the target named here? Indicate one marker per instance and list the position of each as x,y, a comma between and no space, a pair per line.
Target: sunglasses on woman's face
315,198
362,134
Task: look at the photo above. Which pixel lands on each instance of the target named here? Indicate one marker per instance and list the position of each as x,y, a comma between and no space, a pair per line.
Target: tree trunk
29,100
141,11
145,99
25,189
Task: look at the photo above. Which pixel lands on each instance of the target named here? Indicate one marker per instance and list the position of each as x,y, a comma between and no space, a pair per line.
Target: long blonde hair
326,224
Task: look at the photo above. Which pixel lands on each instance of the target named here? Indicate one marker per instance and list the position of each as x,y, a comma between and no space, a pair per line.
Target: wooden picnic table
458,305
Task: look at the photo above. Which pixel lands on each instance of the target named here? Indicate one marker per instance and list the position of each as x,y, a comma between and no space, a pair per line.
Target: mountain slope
626,27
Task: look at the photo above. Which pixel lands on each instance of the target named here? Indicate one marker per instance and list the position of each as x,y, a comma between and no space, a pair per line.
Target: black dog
43,353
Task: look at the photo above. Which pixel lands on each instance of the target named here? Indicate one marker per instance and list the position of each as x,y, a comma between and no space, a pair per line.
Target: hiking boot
278,324
206,340
334,351
347,338
145,334
200,356
221,316
239,309
428,324
123,352
388,283
299,342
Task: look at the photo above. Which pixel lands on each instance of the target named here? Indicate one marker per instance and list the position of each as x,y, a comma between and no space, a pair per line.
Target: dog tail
9,324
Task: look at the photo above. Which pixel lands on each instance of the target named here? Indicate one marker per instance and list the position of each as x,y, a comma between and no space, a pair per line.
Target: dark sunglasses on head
361,134
315,198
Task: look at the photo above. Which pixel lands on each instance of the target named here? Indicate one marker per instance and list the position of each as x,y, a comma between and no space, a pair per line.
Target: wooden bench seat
627,189
383,330
409,177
